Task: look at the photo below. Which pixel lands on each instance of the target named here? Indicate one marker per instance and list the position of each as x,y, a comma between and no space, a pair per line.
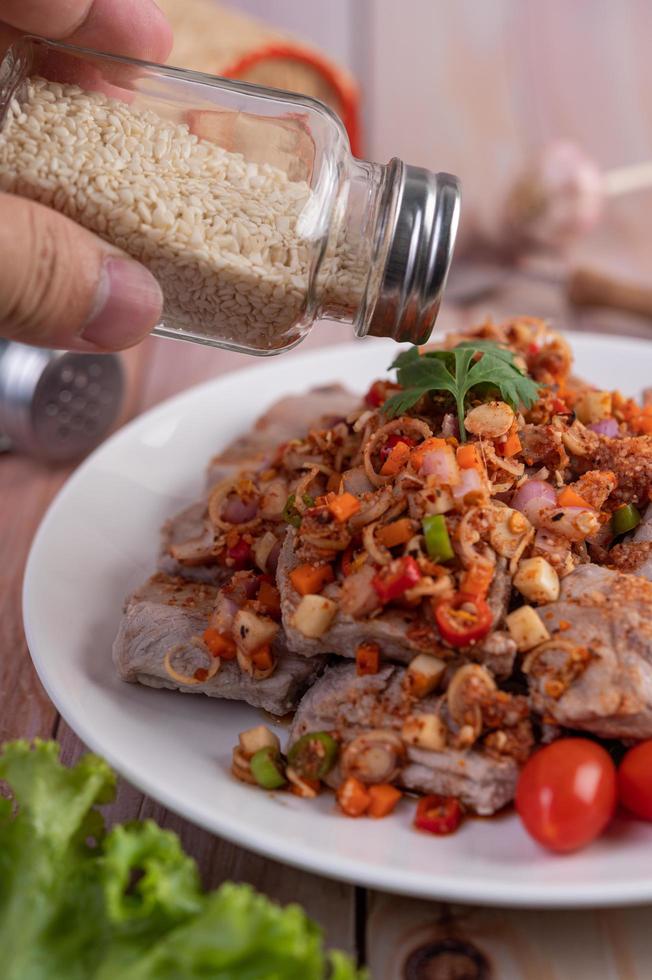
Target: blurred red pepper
375,397
392,441
394,580
438,814
240,554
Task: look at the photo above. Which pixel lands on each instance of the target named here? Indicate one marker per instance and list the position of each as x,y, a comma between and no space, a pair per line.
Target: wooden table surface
381,930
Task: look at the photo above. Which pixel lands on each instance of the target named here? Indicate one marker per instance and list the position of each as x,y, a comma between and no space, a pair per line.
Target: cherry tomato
566,793
438,814
635,780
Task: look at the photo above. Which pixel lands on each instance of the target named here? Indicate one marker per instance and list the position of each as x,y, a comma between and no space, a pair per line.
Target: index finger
134,28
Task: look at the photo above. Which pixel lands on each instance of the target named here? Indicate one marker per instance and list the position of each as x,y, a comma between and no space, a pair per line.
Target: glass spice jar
245,202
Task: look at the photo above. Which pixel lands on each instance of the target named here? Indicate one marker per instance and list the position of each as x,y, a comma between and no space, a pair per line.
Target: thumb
62,287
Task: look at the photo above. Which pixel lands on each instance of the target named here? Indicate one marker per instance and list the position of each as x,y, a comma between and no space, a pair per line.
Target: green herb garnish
458,371
290,513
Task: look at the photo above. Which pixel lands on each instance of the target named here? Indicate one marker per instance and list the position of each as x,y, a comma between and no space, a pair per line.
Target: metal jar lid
57,405
422,211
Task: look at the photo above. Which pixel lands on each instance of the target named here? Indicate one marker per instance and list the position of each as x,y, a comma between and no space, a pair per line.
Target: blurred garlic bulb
558,198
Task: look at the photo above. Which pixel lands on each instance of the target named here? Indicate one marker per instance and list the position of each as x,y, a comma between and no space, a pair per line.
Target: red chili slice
396,579
463,619
240,554
438,814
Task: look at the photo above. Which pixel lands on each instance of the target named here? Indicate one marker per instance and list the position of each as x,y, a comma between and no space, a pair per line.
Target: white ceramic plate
98,541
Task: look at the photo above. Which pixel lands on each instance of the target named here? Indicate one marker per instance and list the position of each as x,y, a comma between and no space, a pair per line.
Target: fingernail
128,305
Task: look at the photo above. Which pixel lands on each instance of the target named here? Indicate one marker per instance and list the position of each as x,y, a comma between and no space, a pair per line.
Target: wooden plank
25,709
462,941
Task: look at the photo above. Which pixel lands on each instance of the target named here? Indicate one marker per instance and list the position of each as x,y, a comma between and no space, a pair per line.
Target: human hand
60,285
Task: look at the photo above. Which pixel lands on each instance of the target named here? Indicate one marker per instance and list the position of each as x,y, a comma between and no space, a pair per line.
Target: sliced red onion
238,511
272,558
470,482
533,498
251,584
605,427
450,426
441,464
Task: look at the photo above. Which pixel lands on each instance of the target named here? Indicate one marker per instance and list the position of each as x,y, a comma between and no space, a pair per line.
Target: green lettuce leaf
78,903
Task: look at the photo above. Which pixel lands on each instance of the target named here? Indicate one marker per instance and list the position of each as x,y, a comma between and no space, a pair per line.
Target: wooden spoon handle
586,287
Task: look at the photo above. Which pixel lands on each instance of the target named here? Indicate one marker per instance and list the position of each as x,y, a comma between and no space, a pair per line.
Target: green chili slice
314,755
266,768
625,518
438,543
290,513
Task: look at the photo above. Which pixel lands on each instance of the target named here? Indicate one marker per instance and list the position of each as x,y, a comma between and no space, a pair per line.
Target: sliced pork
349,706
400,633
167,616
595,673
187,538
288,418
187,547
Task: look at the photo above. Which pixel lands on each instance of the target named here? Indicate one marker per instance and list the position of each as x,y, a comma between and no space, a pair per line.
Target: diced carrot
396,460
647,410
353,797
311,579
384,798
367,659
512,445
398,532
342,505
570,498
630,410
467,457
219,645
643,425
416,456
262,658
476,580
269,598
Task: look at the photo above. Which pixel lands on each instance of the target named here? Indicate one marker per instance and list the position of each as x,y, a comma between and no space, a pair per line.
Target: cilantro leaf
458,371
